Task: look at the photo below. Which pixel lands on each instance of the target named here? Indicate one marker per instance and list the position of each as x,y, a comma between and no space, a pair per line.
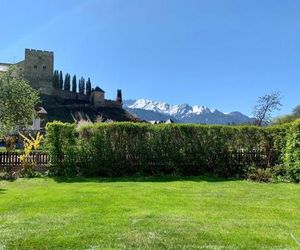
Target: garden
130,185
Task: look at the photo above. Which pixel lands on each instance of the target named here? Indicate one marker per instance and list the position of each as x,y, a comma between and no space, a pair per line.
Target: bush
124,149
61,144
260,174
292,152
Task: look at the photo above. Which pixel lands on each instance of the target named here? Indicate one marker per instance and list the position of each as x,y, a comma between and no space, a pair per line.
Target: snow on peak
183,112
165,108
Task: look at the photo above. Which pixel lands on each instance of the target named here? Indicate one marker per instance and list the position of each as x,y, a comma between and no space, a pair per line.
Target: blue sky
220,53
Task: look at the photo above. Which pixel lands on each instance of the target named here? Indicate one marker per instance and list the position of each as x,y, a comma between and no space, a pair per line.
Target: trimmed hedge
292,152
124,149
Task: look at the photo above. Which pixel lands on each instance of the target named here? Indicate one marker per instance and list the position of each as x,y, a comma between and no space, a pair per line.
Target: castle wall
111,104
67,95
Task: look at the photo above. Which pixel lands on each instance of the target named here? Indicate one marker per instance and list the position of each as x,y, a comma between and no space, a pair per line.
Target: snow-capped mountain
182,113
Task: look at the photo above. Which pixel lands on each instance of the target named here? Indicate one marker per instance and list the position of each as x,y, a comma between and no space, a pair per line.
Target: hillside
68,110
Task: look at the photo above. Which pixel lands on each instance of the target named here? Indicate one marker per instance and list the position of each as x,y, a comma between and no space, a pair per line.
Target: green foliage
61,80
88,87
81,85
55,80
74,84
284,119
121,149
67,82
288,118
61,144
259,174
292,151
10,143
17,101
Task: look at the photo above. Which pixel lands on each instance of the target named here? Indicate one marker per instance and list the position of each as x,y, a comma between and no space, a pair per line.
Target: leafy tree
61,80
284,119
17,101
288,118
88,87
265,106
74,84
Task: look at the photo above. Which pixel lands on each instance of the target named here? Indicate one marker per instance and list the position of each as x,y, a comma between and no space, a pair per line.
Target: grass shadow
2,191
154,179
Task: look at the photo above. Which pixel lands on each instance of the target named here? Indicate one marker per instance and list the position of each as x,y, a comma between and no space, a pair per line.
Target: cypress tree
61,80
81,86
55,80
68,84
88,87
74,84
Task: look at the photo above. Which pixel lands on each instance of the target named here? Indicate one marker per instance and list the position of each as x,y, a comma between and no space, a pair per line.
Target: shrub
123,149
260,174
292,152
61,145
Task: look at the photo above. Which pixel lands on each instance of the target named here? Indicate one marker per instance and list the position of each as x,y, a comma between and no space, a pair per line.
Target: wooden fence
42,159
11,160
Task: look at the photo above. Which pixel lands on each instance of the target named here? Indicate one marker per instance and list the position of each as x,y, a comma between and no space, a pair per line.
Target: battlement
44,52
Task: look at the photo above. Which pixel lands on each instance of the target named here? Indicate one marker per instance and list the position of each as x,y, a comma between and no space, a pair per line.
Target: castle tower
97,97
38,69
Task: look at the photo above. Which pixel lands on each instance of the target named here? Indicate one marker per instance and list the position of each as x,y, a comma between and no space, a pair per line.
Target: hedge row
291,156
124,149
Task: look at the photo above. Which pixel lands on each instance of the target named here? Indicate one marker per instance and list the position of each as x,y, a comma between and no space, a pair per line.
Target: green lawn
149,213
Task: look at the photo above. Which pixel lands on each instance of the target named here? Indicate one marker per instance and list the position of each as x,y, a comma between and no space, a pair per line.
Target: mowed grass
148,213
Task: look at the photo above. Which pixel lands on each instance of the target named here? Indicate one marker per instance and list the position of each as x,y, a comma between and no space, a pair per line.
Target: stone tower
38,69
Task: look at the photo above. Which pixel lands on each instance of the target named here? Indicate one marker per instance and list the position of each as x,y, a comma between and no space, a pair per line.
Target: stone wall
38,69
68,95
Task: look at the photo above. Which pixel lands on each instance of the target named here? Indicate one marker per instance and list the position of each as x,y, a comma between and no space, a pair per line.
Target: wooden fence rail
11,159
42,159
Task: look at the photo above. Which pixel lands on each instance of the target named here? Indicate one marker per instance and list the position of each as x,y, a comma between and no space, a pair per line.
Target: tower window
35,66
44,67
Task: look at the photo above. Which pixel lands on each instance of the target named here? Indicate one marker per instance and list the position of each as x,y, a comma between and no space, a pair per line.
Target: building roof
169,121
99,89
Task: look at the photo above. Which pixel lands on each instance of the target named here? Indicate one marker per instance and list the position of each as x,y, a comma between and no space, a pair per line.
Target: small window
35,66
40,57
44,67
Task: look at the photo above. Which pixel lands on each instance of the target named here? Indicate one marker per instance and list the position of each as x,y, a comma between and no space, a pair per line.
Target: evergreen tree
67,84
55,79
61,80
74,84
81,86
88,87
66,81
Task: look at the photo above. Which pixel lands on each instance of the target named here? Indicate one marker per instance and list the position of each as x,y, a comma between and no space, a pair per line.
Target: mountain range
183,113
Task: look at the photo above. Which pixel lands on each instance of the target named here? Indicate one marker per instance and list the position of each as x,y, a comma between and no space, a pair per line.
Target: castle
38,68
